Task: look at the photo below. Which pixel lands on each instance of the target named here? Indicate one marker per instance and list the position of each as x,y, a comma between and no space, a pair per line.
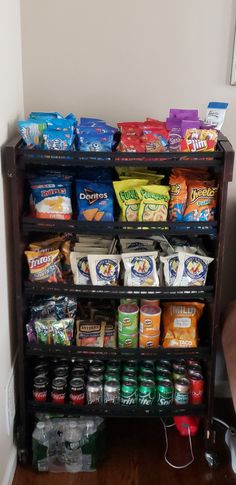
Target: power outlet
10,402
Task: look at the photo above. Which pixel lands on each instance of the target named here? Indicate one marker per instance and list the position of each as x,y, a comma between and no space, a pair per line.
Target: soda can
128,375
78,372
112,368
180,362
111,376
94,392
61,371
164,393
179,372
163,374
97,362
146,374
182,391
166,364
147,392
96,368
195,368
94,377
196,388
193,362
41,370
58,392
129,393
77,391
40,388
147,365
112,392
131,363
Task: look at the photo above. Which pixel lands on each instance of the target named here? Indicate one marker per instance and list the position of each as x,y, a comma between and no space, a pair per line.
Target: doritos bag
94,201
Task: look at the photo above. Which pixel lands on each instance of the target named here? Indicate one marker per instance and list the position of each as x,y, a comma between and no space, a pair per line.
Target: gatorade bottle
73,452
40,446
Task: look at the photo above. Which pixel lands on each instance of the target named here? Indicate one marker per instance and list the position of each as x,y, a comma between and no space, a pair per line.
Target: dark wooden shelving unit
17,162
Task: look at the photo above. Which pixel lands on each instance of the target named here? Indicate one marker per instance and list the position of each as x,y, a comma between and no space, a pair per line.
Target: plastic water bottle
40,446
73,452
88,445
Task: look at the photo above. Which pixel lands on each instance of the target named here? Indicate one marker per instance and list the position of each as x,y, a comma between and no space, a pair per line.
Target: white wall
11,103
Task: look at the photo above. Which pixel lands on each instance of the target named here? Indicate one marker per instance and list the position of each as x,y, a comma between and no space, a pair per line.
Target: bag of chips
104,269
154,203
62,331
94,201
201,201
43,329
51,197
192,269
178,197
80,268
90,334
140,269
45,266
110,336
58,242
171,264
180,321
129,198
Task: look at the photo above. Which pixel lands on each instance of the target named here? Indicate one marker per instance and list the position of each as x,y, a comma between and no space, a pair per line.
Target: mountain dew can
146,393
164,393
129,393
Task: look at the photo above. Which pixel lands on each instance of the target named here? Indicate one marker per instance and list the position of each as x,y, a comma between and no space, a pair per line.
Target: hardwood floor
135,457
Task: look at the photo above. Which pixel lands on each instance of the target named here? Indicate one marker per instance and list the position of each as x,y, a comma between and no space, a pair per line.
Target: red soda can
58,392
196,388
77,391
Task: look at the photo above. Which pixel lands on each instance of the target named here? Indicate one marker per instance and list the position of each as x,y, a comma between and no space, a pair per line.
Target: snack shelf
117,410
89,353
31,224
117,292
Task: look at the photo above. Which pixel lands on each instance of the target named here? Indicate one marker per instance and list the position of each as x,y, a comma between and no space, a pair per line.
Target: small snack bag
192,269
104,270
51,197
80,268
178,197
154,203
171,264
45,266
140,269
90,334
128,197
180,321
94,201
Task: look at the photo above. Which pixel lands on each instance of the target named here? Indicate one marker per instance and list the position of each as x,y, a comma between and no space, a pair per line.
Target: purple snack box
173,123
186,124
184,114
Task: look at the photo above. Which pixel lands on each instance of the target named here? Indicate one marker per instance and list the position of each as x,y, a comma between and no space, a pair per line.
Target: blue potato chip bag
32,132
57,140
94,201
96,142
39,114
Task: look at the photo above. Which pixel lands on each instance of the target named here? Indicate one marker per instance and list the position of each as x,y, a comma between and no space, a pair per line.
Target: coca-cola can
196,388
58,392
40,388
77,391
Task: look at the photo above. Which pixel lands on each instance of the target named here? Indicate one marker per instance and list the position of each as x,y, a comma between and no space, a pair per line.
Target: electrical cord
221,422
180,467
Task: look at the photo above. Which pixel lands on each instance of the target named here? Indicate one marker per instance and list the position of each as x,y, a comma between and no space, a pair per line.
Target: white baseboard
222,389
10,468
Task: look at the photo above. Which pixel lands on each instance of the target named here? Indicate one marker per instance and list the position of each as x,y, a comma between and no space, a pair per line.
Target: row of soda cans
130,382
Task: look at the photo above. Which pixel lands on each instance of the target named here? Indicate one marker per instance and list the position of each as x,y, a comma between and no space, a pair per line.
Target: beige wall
11,103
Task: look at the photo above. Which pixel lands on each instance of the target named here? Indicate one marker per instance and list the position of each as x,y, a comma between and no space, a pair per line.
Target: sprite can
129,393
131,363
164,393
165,364
111,376
147,393
163,374
146,374
128,375
147,364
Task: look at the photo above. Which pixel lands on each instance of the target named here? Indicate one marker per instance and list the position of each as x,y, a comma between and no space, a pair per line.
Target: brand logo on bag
142,266
209,192
37,262
107,269
174,189
92,196
48,193
195,267
83,266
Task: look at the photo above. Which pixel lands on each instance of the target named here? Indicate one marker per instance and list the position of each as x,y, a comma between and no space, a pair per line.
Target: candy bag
51,197
201,201
94,201
140,269
192,269
44,266
62,331
80,268
180,321
90,334
178,197
154,203
128,197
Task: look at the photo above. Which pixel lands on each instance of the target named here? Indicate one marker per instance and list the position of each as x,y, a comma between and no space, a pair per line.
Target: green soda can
164,373
147,393
128,375
131,363
147,374
164,393
112,368
129,393
147,365
113,363
163,364
111,376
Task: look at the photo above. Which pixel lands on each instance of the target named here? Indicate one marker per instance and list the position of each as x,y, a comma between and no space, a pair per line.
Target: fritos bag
45,266
180,323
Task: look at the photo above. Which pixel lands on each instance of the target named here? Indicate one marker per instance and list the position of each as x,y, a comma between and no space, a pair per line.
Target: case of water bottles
75,444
